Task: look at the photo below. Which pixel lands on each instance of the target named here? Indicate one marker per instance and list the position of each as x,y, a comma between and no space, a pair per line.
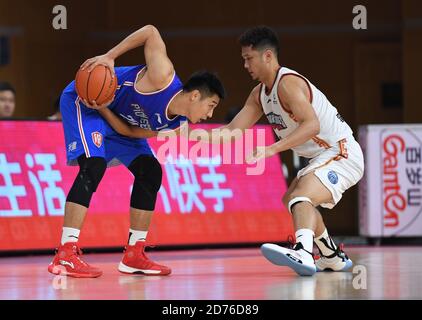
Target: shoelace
77,252
339,252
292,246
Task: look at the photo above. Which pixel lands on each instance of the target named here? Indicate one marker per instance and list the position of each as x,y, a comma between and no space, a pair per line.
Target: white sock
136,235
325,244
306,237
70,235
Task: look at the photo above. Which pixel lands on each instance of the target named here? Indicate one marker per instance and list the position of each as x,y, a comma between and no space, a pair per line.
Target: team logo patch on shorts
333,177
72,146
97,138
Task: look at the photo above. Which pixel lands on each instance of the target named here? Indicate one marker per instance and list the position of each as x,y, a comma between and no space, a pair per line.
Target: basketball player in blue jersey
149,98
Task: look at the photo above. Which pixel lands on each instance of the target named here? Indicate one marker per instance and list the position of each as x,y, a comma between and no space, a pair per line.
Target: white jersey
332,126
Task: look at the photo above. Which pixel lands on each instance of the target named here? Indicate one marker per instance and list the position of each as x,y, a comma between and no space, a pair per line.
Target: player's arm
182,130
245,119
123,128
160,68
294,94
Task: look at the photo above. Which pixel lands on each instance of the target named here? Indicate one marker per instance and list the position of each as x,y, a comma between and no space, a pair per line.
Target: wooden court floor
220,274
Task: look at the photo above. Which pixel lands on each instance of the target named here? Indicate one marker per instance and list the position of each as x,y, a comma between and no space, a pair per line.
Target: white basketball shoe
298,259
338,261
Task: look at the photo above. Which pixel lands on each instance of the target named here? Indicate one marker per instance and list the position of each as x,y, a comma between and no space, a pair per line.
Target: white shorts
338,168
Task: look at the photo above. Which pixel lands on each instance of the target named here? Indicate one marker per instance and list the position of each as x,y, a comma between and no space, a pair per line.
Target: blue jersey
145,110
86,132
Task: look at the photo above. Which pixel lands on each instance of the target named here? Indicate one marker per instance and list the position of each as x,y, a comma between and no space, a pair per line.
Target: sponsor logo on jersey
275,99
143,120
272,100
333,177
276,121
159,118
97,138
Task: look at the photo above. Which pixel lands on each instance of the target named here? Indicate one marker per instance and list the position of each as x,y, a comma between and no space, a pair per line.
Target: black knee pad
148,175
91,171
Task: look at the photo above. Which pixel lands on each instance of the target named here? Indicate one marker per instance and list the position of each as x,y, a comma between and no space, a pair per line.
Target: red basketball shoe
136,262
67,262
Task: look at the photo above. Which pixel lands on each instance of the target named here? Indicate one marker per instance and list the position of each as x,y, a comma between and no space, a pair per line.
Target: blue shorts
86,132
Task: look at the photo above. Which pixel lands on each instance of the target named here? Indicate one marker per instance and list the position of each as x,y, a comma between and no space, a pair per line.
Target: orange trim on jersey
343,149
321,143
342,155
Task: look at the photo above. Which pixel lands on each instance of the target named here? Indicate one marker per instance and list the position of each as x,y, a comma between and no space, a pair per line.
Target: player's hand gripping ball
96,87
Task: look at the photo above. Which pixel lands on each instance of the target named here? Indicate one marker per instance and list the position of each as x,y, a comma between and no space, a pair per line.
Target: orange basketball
97,85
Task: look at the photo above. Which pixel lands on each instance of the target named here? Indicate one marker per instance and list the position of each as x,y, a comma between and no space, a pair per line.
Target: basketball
97,85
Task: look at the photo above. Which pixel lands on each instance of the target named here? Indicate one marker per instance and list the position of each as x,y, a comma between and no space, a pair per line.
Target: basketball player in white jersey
306,122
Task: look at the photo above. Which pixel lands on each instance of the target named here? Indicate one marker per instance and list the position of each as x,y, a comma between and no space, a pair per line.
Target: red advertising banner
204,199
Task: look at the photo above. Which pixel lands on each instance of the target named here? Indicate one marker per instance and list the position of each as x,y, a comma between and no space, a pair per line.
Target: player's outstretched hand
259,153
104,60
93,104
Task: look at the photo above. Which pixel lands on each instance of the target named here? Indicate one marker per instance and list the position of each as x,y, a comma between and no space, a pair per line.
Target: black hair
6,86
207,83
261,37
